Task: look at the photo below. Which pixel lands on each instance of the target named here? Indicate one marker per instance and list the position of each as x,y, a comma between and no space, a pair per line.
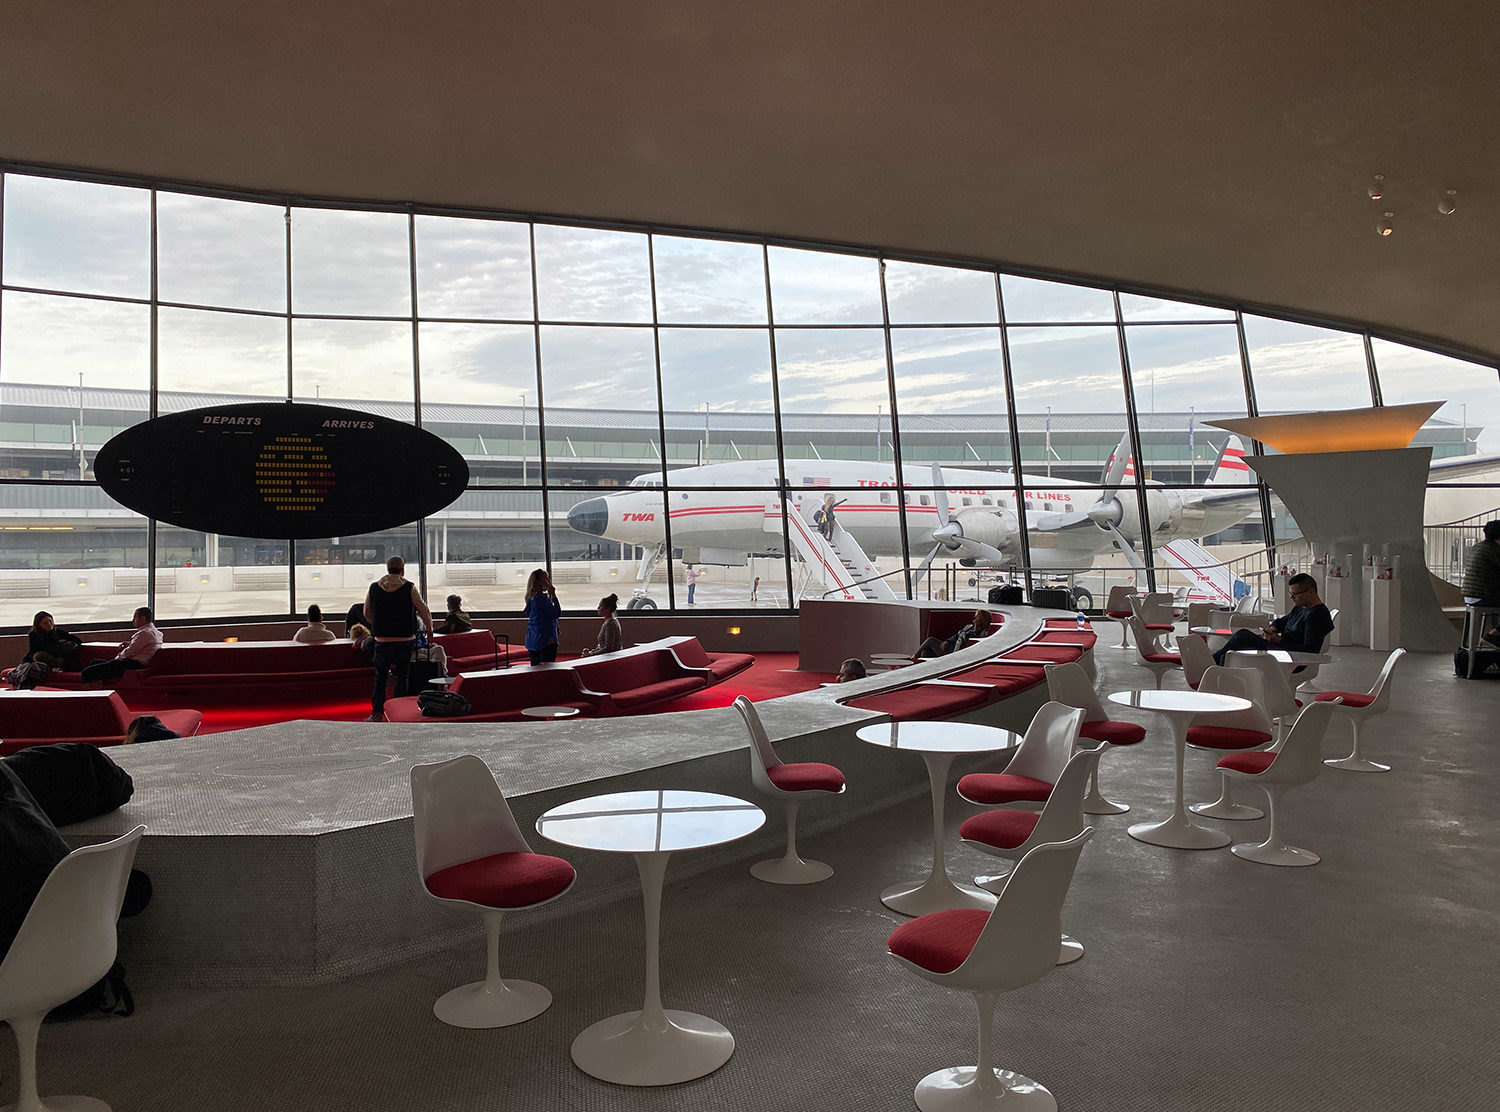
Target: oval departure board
281,470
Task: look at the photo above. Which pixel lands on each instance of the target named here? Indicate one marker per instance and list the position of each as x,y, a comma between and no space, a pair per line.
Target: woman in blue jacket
542,611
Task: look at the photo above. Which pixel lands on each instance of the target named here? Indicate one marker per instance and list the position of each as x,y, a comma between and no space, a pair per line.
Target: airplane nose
589,516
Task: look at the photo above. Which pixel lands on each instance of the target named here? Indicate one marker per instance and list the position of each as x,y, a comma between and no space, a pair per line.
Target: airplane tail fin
1231,469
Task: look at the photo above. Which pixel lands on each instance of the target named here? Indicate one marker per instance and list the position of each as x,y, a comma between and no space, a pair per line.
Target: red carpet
771,675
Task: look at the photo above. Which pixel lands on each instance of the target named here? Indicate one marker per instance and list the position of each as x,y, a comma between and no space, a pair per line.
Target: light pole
523,439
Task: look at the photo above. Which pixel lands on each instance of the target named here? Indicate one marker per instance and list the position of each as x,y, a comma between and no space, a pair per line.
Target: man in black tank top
393,607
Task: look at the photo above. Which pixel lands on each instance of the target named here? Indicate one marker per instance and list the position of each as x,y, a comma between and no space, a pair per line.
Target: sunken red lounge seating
94,717
690,654
499,696
924,701
283,666
1051,654
1085,638
1006,679
615,683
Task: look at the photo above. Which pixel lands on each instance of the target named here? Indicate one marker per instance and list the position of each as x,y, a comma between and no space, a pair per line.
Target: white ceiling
1204,148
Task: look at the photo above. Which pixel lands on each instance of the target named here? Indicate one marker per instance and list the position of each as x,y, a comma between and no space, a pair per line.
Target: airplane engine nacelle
997,528
1165,508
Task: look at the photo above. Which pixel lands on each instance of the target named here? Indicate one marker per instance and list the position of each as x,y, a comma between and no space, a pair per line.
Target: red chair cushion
1116,733
1351,698
1162,658
1005,828
938,942
503,880
1158,625
1254,762
1225,737
806,776
1003,787
1120,613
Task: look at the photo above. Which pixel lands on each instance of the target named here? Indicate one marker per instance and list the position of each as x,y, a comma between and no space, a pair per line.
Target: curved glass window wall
633,404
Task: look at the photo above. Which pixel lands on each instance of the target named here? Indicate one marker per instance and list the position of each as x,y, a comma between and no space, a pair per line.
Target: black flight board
281,470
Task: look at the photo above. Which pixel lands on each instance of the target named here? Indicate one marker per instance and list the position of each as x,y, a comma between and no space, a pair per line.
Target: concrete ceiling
1210,149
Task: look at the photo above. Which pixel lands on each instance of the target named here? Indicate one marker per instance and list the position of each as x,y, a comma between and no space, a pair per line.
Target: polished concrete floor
1364,983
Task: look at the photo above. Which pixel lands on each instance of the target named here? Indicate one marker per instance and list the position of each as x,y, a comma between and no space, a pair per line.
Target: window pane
834,397
590,373
1469,421
1136,307
363,364
1185,375
336,572
950,389
716,388
72,551
584,274
700,281
1299,367
819,287
477,364
1070,401
920,294
75,372
350,263
202,353
1031,300
729,539
230,254
473,268
77,236
210,574
483,546
598,553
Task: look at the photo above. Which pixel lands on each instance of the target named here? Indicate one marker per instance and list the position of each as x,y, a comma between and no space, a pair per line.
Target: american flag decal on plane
809,481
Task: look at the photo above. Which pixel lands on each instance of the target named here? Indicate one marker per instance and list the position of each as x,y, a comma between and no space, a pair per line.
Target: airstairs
838,560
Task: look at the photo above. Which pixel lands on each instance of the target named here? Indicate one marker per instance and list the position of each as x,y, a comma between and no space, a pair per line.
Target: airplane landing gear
645,602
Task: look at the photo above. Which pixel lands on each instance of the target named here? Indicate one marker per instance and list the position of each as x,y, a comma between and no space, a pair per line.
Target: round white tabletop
549,712
652,1046
1285,656
650,821
1211,631
1179,831
938,737
938,743
1179,702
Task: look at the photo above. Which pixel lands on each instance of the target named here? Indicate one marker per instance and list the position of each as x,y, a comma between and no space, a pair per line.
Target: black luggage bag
1486,666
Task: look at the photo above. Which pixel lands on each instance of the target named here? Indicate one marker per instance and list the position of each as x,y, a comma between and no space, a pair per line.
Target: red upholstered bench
1050,654
690,654
500,696
1006,679
477,650
94,717
1084,638
632,680
923,700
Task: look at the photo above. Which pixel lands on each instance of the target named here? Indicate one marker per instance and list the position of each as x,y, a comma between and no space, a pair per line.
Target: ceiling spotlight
1447,205
1385,228
1377,188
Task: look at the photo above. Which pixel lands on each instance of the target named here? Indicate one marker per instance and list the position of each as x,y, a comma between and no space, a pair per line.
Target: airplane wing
1457,467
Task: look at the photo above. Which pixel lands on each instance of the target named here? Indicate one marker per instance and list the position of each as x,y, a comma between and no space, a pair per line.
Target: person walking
393,608
542,612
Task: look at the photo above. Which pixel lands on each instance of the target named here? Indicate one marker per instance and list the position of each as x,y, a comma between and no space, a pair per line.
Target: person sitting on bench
135,653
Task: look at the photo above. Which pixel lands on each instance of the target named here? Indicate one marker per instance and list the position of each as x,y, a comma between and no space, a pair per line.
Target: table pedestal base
1267,854
1353,763
954,1090
936,893
1178,833
794,871
475,1008
1070,950
627,1051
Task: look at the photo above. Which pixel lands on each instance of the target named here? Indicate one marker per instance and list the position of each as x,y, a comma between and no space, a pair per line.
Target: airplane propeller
1108,512
949,534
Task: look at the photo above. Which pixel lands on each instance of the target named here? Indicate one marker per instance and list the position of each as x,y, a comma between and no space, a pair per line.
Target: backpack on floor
443,704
